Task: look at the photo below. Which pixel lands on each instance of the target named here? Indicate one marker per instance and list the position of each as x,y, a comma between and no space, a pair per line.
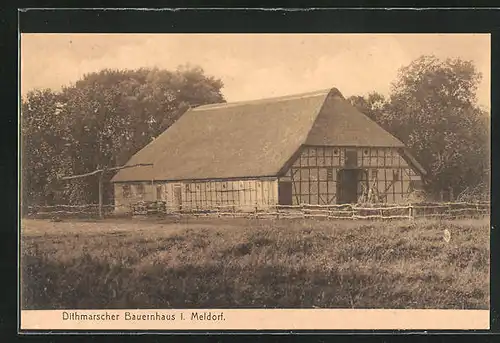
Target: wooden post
100,195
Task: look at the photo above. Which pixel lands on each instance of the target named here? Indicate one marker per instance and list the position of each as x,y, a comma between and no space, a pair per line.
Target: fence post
100,196
410,212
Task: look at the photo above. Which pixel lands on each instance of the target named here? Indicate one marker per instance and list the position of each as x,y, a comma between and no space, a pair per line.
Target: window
126,191
395,175
365,152
374,173
335,152
140,189
329,173
158,192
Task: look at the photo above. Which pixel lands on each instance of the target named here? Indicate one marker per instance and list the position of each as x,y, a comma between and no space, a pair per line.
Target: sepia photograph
208,172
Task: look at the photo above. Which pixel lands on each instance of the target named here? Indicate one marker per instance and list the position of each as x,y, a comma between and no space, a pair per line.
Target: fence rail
411,211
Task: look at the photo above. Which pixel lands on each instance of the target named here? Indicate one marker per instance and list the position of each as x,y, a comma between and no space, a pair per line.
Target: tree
101,121
43,143
374,106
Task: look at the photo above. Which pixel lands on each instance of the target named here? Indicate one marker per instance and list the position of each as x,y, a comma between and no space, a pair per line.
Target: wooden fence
442,210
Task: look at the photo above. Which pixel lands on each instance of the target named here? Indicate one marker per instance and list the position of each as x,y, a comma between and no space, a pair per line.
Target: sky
252,66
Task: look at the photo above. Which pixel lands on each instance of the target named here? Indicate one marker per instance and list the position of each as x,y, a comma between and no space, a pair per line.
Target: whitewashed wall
241,195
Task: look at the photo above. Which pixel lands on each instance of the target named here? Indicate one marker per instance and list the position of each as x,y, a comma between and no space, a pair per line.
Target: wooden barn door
159,192
347,186
177,200
285,192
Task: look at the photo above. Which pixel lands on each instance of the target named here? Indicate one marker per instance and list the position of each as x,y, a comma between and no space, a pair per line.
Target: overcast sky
251,66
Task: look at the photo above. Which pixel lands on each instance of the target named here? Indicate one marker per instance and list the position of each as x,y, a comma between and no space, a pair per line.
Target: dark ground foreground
238,263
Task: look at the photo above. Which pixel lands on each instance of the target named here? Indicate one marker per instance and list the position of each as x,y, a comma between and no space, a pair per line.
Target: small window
395,175
158,192
329,174
140,189
126,191
365,152
351,158
374,173
187,187
335,152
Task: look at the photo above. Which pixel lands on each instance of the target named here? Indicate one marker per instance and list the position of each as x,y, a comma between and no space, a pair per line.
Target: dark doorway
351,158
285,192
347,186
158,193
177,197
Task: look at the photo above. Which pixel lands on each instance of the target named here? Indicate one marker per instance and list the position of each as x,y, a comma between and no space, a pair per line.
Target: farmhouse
312,148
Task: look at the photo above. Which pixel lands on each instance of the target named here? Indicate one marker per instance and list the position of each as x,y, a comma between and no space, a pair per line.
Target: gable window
329,174
395,175
126,191
351,160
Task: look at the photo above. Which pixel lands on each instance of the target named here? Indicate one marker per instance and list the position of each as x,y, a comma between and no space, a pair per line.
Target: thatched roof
253,138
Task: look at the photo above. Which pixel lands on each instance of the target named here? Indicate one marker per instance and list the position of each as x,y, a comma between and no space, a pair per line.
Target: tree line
106,117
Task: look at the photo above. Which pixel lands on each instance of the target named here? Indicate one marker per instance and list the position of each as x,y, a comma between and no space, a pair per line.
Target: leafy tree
373,105
43,139
101,121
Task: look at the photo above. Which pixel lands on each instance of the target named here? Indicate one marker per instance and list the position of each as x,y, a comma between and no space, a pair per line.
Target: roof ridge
263,100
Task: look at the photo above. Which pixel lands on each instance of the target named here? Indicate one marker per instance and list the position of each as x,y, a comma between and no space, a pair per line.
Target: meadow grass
238,263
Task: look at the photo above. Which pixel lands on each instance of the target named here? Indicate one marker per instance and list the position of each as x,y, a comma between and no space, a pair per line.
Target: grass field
254,264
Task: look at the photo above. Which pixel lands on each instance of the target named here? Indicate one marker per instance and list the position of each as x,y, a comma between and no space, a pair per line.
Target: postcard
254,181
